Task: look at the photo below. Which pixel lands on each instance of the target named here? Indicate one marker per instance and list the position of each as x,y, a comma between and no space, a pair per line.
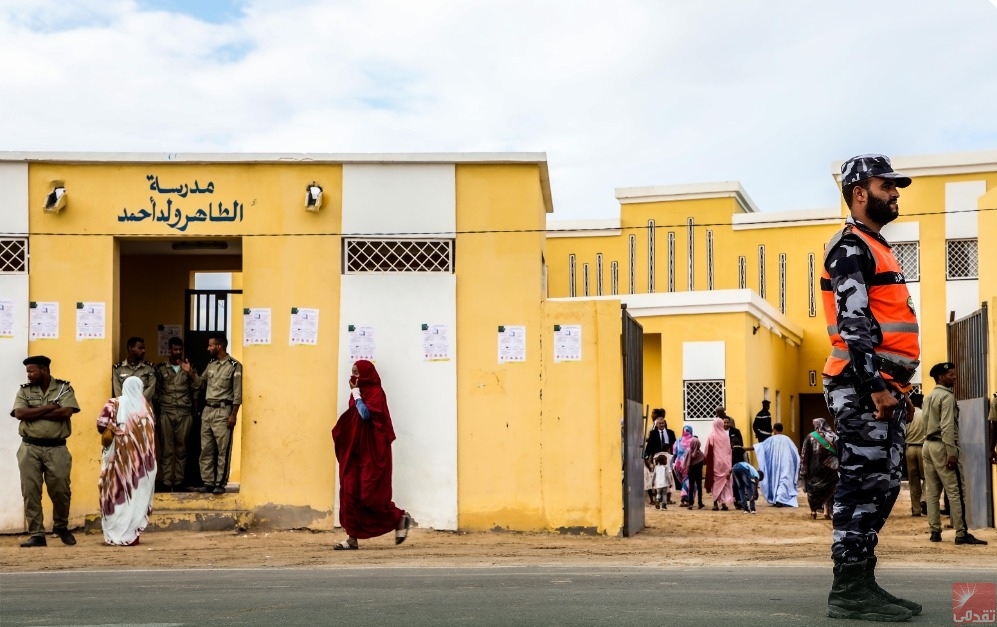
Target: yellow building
432,264
729,297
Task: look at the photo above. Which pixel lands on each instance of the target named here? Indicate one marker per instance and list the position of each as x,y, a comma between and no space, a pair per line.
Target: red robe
363,449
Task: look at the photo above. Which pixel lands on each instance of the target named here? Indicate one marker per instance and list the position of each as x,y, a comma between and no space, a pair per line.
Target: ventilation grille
398,255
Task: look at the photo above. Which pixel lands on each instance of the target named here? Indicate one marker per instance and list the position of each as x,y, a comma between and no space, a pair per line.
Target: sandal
345,546
402,534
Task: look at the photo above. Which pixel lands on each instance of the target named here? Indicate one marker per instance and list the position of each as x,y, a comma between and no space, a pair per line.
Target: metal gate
633,424
967,349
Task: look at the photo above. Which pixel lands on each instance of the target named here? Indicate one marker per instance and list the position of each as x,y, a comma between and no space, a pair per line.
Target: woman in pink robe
719,461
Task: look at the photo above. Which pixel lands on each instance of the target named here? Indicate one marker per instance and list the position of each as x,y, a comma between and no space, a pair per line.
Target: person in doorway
680,466
942,463
362,437
661,438
873,330
746,480
176,383
134,365
44,406
915,464
128,465
780,461
695,459
762,425
819,468
719,482
222,385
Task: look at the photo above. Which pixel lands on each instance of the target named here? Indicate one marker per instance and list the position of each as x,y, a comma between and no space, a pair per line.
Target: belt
900,374
934,438
44,441
921,444
217,404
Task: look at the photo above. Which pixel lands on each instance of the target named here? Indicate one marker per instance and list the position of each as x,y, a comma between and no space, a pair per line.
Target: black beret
38,360
939,369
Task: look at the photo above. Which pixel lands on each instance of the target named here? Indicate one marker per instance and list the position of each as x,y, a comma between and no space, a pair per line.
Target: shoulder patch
60,381
25,385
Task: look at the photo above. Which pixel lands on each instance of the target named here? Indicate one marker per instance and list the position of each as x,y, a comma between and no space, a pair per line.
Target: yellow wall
652,371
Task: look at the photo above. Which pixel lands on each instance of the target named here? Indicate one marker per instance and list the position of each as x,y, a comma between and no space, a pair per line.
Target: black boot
870,574
851,598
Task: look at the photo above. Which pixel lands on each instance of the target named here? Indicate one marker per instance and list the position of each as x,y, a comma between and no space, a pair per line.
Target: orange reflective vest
890,304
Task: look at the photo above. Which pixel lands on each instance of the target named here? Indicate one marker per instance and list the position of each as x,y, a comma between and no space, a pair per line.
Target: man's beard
880,211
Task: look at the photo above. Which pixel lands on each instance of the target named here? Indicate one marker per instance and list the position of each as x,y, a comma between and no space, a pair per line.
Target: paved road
413,597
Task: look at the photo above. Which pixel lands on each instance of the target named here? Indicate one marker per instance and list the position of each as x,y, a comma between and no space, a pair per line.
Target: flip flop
345,546
401,534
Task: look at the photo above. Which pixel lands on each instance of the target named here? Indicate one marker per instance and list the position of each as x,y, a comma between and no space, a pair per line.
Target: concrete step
182,511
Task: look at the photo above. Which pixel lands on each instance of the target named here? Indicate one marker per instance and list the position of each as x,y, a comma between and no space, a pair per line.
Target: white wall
13,220
962,296
417,198
704,360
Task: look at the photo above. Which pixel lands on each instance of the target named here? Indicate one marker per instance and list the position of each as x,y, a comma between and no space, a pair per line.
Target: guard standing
176,382
874,336
915,465
134,366
44,407
222,383
942,466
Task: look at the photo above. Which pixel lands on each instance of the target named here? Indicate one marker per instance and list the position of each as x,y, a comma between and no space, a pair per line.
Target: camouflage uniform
869,449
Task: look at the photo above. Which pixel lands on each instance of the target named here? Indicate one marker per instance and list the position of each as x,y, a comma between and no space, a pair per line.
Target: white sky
618,94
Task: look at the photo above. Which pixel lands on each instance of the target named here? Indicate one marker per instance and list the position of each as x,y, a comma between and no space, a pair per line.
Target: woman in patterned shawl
128,468
680,465
819,468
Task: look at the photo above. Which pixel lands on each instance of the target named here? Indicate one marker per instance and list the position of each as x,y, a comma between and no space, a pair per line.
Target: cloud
636,92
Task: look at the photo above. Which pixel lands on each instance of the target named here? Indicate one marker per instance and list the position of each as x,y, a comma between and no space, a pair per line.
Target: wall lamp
313,197
56,199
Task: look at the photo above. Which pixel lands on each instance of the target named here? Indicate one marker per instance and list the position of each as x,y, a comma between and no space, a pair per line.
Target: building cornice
782,219
583,228
695,191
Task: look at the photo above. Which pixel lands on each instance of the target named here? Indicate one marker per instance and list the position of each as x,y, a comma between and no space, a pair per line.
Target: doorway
156,278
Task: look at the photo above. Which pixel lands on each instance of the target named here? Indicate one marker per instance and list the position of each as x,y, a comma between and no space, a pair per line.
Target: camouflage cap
867,166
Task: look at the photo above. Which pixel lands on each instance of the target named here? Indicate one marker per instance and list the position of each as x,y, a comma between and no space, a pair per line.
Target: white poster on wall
567,342
43,321
90,321
6,318
362,345
256,327
167,331
435,342
511,344
304,326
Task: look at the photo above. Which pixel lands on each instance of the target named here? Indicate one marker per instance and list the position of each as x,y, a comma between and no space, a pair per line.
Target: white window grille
633,263
671,261
13,255
598,274
702,399
398,255
614,271
782,282
650,256
961,259
690,224
908,254
709,259
761,271
916,388
572,283
812,278
585,278
742,272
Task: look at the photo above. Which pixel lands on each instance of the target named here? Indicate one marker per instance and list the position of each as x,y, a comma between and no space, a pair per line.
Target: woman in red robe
363,437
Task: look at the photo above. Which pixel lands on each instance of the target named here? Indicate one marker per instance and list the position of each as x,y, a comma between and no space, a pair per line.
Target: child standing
663,479
746,479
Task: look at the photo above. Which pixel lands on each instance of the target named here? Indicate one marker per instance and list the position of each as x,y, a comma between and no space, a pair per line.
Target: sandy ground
773,536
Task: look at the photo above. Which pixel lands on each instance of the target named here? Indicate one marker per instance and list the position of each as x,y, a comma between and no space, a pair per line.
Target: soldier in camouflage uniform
873,331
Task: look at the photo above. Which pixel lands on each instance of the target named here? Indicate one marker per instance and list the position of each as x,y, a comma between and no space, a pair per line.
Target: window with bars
908,254
614,280
761,271
812,269
709,259
585,279
398,255
782,282
690,227
671,261
742,272
572,282
702,399
650,256
13,255
916,388
961,260
598,274
633,263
